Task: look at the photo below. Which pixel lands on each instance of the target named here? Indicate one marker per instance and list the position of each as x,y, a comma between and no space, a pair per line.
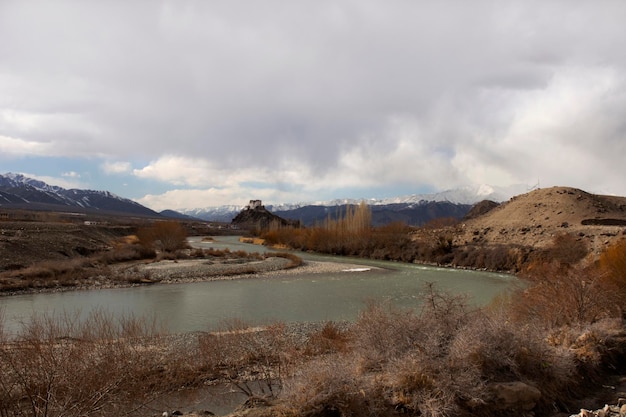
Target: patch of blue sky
83,173
79,171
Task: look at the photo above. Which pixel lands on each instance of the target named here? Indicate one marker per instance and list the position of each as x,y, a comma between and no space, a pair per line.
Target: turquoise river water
287,297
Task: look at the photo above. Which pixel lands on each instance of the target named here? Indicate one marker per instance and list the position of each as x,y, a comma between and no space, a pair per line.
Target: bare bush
562,295
613,273
422,386
333,386
503,350
426,379
566,249
253,359
330,339
127,252
168,236
383,332
65,366
294,260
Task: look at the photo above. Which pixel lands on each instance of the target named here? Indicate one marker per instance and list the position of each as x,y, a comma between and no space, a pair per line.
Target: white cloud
65,182
71,174
178,170
19,147
563,134
213,197
117,167
308,97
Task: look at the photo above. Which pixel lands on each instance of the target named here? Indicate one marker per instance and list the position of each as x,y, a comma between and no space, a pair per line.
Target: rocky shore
195,270
139,273
618,410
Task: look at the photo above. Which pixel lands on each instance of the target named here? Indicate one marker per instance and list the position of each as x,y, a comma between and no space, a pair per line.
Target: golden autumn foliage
345,235
613,268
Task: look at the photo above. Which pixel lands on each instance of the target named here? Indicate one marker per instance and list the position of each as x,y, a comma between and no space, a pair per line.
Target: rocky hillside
533,219
259,217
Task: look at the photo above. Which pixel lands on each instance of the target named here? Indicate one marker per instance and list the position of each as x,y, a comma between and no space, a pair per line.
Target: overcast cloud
183,104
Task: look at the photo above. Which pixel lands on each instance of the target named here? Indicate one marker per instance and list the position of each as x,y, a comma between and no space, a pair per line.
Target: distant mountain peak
20,191
462,198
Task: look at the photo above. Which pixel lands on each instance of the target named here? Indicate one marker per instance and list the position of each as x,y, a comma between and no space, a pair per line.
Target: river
286,297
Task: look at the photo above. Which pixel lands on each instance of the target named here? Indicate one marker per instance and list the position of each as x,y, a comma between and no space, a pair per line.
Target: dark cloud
321,85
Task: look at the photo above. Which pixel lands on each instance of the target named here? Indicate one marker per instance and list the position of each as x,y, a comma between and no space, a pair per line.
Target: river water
286,297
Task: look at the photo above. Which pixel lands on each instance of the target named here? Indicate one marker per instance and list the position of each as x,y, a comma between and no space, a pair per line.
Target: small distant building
254,204
90,223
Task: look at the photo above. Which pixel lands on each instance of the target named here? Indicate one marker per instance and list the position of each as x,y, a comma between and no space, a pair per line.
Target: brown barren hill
535,218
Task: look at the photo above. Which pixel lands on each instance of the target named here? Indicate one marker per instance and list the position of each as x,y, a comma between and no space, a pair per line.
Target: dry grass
441,361
82,271
63,365
254,360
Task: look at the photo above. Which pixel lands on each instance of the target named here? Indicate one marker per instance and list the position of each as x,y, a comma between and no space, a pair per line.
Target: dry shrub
560,295
391,241
253,359
566,249
294,260
47,274
330,339
276,236
503,350
613,273
426,379
383,332
198,253
596,347
492,257
127,252
423,387
217,253
441,223
52,269
60,365
442,314
409,350
333,386
168,236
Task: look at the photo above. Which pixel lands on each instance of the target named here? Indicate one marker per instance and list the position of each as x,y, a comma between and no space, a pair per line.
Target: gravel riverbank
139,273
195,270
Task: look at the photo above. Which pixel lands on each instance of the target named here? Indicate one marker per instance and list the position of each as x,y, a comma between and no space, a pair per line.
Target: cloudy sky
186,104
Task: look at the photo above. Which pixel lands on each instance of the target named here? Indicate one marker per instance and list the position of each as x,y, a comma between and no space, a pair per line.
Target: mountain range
415,209
19,191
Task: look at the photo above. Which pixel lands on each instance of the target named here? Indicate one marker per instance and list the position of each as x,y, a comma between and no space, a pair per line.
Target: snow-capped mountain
413,209
222,214
19,191
470,194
